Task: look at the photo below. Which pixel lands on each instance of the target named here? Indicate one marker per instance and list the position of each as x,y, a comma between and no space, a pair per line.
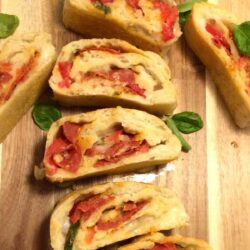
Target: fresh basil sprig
44,115
171,124
185,9
70,237
188,122
8,24
242,37
185,122
99,5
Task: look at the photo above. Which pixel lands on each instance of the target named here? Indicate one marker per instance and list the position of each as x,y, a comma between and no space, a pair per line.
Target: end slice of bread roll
111,72
149,24
88,219
158,241
107,141
25,64
209,32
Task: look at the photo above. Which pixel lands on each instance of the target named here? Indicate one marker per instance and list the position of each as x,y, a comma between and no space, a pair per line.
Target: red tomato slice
219,38
65,69
169,15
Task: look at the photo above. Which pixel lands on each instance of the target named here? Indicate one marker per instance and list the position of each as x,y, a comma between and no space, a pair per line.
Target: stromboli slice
111,72
209,32
25,64
158,241
149,24
113,212
107,141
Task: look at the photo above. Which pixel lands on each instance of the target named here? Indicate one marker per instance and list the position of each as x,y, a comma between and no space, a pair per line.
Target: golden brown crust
28,92
170,214
165,146
151,73
148,241
221,67
91,22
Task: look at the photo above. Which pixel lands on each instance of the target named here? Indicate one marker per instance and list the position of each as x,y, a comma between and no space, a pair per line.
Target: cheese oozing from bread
209,32
149,24
107,141
158,241
110,72
108,213
25,64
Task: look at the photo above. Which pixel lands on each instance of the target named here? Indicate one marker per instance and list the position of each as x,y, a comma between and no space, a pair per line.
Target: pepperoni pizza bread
90,218
111,72
149,24
25,64
209,32
107,141
158,241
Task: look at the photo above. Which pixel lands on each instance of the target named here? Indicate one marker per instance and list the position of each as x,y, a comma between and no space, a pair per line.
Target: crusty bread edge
22,99
173,144
96,25
154,104
220,72
196,244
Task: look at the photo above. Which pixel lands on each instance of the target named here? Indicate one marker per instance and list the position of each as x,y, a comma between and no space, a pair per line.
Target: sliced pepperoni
117,146
70,131
124,76
125,215
166,246
5,69
5,77
84,209
219,38
62,154
169,15
20,76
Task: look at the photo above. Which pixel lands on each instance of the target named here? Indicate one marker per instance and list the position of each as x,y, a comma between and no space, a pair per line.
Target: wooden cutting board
213,179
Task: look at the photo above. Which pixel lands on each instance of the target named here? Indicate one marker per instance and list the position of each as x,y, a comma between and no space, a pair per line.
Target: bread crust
164,211
92,22
27,93
165,146
160,99
148,241
222,69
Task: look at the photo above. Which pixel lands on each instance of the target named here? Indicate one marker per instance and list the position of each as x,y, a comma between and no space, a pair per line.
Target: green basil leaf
187,6
188,122
99,5
44,115
171,124
183,17
242,37
8,24
70,237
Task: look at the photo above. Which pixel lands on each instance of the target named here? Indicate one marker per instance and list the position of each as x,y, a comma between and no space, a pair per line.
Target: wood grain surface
213,179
